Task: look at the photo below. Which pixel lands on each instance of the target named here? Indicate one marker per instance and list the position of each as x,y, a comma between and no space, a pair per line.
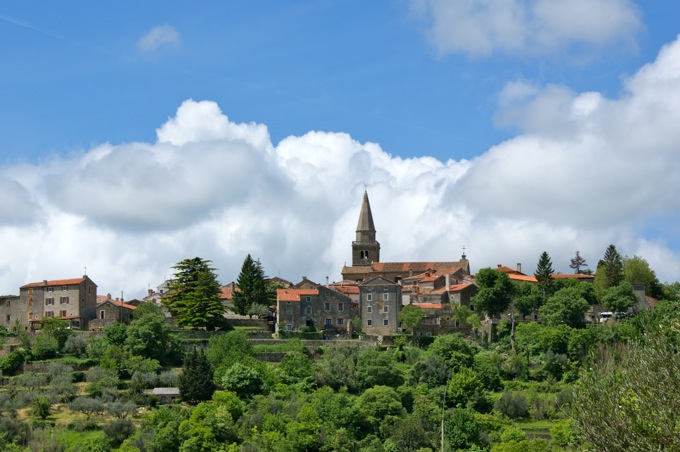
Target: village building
73,300
380,302
366,256
110,311
319,308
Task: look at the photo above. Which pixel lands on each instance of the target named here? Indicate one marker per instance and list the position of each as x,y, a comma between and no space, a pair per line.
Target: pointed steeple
365,227
365,250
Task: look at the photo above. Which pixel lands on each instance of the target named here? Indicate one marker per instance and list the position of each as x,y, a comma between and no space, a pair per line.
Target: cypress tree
196,381
543,274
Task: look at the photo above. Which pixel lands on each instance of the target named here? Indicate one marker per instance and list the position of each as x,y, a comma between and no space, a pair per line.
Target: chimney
150,292
45,281
499,265
108,296
233,286
448,282
519,267
326,280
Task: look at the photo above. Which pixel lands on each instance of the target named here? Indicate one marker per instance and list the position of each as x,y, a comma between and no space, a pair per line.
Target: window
49,313
329,322
30,316
50,289
308,299
63,300
289,327
369,297
289,310
75,323
30,301
386,296
9,303
308,311
535,316
386,308
62,313
386,322
101,314
326,306
30,291
49,300
89,289
369,308
341,306
340,321
369,322
64,288
9,317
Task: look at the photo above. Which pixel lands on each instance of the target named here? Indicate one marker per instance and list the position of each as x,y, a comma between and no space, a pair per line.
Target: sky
137,134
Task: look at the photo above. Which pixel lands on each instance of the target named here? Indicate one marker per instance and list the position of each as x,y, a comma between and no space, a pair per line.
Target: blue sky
479,119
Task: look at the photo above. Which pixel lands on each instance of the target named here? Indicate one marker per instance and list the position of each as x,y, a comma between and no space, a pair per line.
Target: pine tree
577,262
194,295
543,274
611,266
252,287
196,381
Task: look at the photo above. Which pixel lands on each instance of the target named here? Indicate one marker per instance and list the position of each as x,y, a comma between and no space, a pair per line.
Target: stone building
380,302
366,256
320,308
110,311
73,300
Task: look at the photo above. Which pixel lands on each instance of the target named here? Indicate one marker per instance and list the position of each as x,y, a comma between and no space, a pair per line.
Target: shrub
41,408
118,431
513,405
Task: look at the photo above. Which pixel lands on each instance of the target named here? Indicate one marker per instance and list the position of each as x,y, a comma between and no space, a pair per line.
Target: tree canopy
252,287
196,381
543,274
577,262
410,317
609,269
495,291
194,295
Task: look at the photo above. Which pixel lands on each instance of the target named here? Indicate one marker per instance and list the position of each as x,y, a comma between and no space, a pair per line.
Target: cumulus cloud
159,36
583,172
480,28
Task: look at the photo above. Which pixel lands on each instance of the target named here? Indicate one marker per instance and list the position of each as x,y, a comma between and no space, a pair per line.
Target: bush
12,363
41,408
513,405
80,425
14,431
118,431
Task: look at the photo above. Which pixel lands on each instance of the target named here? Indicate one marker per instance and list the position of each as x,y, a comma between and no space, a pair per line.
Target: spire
365,250
365,227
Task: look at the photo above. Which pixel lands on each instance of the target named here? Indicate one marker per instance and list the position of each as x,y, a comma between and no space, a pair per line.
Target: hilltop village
367,300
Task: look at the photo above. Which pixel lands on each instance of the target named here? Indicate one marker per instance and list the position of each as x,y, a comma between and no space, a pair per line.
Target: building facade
74,300
321,308
380,302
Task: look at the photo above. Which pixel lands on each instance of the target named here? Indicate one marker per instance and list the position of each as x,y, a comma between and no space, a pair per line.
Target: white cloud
159,36
584,171
480,28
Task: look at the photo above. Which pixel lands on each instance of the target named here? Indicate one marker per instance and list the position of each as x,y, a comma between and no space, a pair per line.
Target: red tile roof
226,293
294,294
459,287
347,290
428,305
522,278
56,282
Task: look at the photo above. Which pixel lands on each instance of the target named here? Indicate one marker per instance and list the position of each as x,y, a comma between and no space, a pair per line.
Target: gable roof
120,304
294,294
55,282
378,279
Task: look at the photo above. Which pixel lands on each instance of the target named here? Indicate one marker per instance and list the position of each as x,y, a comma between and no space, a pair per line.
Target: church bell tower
365,249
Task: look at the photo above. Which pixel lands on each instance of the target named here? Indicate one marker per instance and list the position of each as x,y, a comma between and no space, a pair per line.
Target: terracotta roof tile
294,294
56,282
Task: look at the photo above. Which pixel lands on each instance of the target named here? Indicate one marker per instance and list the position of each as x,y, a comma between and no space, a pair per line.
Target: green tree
224,350
628,400
577,262
543,274
44,346
410,316
57,329
41,408
495,291
567,306
196,381
243,379
377,406
528,298
152,337
194,295
117,333
619,298
462,431
252,287
609,270
463,386
636,270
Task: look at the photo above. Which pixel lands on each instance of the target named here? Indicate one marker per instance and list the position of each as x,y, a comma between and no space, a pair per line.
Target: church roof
365,216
